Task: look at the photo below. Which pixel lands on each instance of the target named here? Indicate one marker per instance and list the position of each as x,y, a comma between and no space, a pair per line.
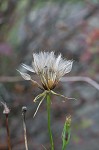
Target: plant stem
49,120
8,133
64,147
24,109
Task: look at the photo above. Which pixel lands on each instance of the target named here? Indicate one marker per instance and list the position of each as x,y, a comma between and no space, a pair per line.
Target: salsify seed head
49,68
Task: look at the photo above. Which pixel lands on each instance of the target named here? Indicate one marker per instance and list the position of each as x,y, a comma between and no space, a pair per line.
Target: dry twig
81,78
24,109
6,112
64,79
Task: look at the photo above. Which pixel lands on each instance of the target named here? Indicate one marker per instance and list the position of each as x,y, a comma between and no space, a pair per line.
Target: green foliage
41,3
3,5
66,132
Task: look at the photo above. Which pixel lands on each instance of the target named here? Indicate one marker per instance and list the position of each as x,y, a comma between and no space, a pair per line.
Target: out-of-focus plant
6,112
24,109
66,132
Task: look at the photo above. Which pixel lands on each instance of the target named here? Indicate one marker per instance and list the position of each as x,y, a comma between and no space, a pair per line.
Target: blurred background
70,27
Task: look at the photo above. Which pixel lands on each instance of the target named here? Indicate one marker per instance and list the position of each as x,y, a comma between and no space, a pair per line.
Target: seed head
49,68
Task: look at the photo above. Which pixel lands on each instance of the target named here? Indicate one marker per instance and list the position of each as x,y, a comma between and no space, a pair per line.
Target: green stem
64,147
49,120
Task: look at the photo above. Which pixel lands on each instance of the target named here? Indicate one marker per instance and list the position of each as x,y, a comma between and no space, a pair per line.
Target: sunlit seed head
49,68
